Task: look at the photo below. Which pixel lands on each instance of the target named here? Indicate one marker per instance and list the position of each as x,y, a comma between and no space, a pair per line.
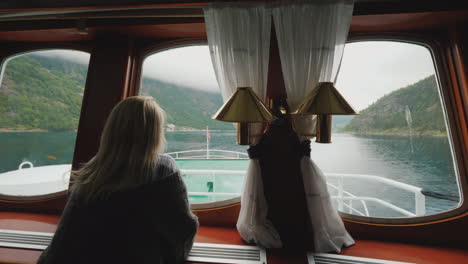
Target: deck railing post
340,193
208,136
420,203
213,176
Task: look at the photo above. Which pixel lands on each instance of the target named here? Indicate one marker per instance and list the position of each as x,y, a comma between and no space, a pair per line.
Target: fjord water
421,161
429,165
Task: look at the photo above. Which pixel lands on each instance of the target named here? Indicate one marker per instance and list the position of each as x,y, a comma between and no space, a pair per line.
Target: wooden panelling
160,28
361,7
53,205
225,216
106,85
446,233
406,21
29,222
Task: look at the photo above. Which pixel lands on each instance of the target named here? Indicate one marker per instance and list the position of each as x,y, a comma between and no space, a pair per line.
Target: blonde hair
132,137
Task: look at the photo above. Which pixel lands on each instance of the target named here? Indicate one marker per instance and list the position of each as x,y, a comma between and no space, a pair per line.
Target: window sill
226,235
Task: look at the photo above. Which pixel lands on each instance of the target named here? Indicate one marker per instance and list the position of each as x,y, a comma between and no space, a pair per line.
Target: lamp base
243,134
323,129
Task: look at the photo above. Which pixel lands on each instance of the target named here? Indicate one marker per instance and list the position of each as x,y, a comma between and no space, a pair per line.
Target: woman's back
151,223
129,203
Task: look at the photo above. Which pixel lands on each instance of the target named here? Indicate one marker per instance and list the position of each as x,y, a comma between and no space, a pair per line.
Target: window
395,159
40,103
183,82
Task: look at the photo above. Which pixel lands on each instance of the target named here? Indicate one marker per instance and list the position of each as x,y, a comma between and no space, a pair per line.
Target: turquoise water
429,166
193,140
40,148
213,164
207,182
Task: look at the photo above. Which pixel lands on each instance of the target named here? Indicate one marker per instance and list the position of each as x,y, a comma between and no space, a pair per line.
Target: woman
128,204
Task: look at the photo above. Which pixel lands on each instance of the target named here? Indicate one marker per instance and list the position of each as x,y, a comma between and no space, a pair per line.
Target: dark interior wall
461,30
106,85
362,7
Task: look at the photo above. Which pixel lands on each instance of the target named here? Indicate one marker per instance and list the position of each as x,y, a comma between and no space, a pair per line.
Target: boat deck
226,235
219,179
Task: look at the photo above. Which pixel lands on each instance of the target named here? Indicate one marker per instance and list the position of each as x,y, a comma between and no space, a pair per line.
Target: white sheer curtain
311,38
239,43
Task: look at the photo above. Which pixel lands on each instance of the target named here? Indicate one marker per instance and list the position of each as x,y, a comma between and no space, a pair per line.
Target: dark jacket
152,223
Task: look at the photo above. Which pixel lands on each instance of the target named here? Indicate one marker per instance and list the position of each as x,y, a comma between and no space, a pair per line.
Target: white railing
208,154
343,198
349,205
419,198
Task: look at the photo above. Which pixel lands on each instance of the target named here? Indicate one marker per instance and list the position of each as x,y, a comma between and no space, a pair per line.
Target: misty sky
72,55
369,69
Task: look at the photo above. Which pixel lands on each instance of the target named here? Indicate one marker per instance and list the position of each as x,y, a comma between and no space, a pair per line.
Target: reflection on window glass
40,102
183,82
395,158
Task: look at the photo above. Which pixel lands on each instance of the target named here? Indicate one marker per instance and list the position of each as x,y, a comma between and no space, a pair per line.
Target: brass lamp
244,107
324,100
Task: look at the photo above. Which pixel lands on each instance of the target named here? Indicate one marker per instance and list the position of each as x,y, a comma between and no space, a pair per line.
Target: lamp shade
325,99
244,106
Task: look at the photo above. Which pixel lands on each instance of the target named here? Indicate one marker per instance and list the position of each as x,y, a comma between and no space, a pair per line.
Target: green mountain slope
184,106
340,121
45,93
388,115
38,94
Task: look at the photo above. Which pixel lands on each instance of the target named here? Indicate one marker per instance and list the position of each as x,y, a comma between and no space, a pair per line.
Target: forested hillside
417,105
185,106
41,93
45,93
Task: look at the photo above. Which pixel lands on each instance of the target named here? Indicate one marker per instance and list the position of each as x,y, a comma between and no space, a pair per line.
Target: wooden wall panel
106,85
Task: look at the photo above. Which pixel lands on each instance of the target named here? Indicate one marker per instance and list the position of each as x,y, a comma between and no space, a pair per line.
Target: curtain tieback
304,148
255,152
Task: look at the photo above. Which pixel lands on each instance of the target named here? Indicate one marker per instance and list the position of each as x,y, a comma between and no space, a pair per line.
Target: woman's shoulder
165,166
167,161
165,157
